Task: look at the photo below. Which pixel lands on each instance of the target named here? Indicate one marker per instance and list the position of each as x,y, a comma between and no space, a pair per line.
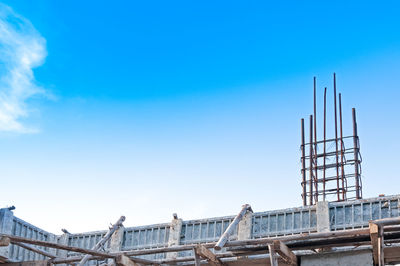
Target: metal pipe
341,147
303,164
311,160
315,139
324,174
356,150
336,138
231,228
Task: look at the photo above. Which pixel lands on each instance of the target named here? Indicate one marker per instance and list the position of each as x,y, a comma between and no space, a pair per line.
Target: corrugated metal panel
86,240
205,230
357,213
24,229
284,222
151,236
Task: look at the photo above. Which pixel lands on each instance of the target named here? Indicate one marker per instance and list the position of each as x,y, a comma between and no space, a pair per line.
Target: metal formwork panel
284,222
151,236
205,230
357,213
87,240
24,229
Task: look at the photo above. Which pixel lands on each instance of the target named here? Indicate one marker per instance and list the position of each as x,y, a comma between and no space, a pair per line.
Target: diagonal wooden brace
287,255
208,255
101,243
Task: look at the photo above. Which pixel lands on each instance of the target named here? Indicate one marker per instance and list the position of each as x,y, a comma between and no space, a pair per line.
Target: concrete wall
344,258
321,217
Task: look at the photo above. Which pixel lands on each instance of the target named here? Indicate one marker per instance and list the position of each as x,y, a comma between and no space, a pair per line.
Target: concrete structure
354,258
323,217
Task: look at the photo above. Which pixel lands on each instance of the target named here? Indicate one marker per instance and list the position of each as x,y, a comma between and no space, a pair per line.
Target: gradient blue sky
191,107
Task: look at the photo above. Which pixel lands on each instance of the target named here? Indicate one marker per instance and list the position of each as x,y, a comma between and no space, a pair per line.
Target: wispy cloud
21,49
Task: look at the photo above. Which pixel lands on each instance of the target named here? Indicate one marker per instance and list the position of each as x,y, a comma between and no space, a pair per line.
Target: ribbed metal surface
284,222
356,214
24,229
205,230
86,240
152,236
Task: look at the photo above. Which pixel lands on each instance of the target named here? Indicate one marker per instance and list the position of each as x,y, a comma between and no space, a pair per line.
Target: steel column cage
330,168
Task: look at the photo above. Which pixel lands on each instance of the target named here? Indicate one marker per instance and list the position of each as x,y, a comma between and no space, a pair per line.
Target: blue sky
149,108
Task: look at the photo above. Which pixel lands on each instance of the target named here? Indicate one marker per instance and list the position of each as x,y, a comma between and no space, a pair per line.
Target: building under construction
334,226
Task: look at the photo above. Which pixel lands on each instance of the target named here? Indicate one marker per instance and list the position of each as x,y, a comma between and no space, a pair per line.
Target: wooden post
105,238
231,228
287,255
272,255
196,258
377,242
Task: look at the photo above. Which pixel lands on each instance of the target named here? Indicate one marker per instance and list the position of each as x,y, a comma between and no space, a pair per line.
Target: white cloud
21,49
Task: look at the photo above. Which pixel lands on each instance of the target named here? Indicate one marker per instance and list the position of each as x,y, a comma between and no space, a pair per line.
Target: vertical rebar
324,174
344,190
315,140
311,161
303,164
356,150
336,138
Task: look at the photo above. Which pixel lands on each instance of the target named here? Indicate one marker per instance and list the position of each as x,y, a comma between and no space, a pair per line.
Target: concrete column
353,258
6,224
116,242
174,239
245,226
63,240
52,238
323,223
